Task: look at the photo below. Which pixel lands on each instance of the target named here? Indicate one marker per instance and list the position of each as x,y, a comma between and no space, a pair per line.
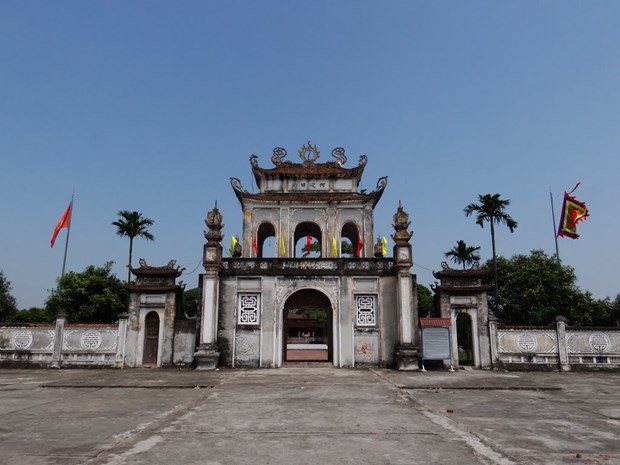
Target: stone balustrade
63,345
555,347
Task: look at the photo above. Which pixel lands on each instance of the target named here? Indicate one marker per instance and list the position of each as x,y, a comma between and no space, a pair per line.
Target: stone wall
63,345
554,348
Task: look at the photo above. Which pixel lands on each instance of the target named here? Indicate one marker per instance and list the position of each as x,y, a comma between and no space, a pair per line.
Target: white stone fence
512,347
560,347
63,345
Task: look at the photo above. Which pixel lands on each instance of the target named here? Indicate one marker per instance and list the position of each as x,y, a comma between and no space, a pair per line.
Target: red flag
255,246
359,246
308,244
65,222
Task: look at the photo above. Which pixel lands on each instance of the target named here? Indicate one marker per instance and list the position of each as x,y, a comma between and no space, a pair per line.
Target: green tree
426,304
462,254
34,315
346,248
314,247
92,296
132,225
8,304
191,303
535,289
491,209
615,310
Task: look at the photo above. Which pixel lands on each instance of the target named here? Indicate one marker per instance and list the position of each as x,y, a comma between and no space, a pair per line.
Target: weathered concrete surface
307,415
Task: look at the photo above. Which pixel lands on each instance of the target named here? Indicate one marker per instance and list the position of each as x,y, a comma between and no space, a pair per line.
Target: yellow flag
233,243
282,247
384,246
334,247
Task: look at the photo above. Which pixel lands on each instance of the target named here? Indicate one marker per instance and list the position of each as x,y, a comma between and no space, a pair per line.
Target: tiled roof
434,322
329,169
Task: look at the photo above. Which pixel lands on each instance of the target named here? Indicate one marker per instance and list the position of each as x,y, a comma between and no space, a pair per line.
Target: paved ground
307,415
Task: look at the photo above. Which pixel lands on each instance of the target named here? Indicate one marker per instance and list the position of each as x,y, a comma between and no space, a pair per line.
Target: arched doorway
351,241
307,327
151,339
465,340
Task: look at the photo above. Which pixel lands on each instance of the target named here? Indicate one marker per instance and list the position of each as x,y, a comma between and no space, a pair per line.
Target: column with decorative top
207,353
407,351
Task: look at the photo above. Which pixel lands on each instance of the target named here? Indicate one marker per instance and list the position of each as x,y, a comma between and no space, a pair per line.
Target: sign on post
435,339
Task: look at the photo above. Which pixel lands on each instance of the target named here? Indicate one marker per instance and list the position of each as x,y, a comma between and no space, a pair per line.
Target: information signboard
436,343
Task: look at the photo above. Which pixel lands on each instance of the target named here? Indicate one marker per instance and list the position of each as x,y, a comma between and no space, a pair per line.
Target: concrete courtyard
307,415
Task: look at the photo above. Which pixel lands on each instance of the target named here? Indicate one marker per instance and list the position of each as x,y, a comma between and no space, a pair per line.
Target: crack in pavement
481,448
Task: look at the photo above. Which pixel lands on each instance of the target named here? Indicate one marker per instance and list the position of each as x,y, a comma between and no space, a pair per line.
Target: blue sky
153,106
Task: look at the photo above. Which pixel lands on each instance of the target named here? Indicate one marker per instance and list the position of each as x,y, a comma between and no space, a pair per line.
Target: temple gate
306,282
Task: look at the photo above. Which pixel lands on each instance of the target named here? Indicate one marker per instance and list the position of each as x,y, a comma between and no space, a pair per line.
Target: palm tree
133,224
463,254
491,209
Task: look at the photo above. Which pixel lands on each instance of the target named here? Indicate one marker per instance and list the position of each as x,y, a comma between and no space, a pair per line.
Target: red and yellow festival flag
360,244
573,212
65,222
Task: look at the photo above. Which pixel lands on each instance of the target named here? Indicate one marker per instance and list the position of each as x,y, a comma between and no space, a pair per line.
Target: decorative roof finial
214,223
309,149
401,223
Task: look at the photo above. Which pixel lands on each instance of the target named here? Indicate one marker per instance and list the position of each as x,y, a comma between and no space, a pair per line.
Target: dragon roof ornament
278,155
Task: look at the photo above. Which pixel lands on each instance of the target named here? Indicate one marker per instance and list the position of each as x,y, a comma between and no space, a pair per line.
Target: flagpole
64,260
555,230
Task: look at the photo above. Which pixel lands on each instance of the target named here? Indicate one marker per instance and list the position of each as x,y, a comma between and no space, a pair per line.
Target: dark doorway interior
464,339
308,327
151,339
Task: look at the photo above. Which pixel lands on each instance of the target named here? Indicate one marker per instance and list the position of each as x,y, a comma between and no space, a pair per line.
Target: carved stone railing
555,347
27,343
61,345
308,267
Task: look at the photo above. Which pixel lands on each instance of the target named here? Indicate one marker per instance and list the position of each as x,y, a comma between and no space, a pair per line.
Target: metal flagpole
555,230
64,260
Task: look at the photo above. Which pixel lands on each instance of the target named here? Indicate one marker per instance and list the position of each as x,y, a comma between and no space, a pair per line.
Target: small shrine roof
166,270
447,272
155,278
435,322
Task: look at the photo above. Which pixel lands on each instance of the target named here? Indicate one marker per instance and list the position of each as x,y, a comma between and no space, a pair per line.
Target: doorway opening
151,339
307,327
465,340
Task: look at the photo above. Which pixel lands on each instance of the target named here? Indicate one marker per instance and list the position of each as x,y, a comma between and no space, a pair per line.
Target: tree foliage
92,296
536,288
463,254
34,315
132,225
346,248
426,304
8,304
191,303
